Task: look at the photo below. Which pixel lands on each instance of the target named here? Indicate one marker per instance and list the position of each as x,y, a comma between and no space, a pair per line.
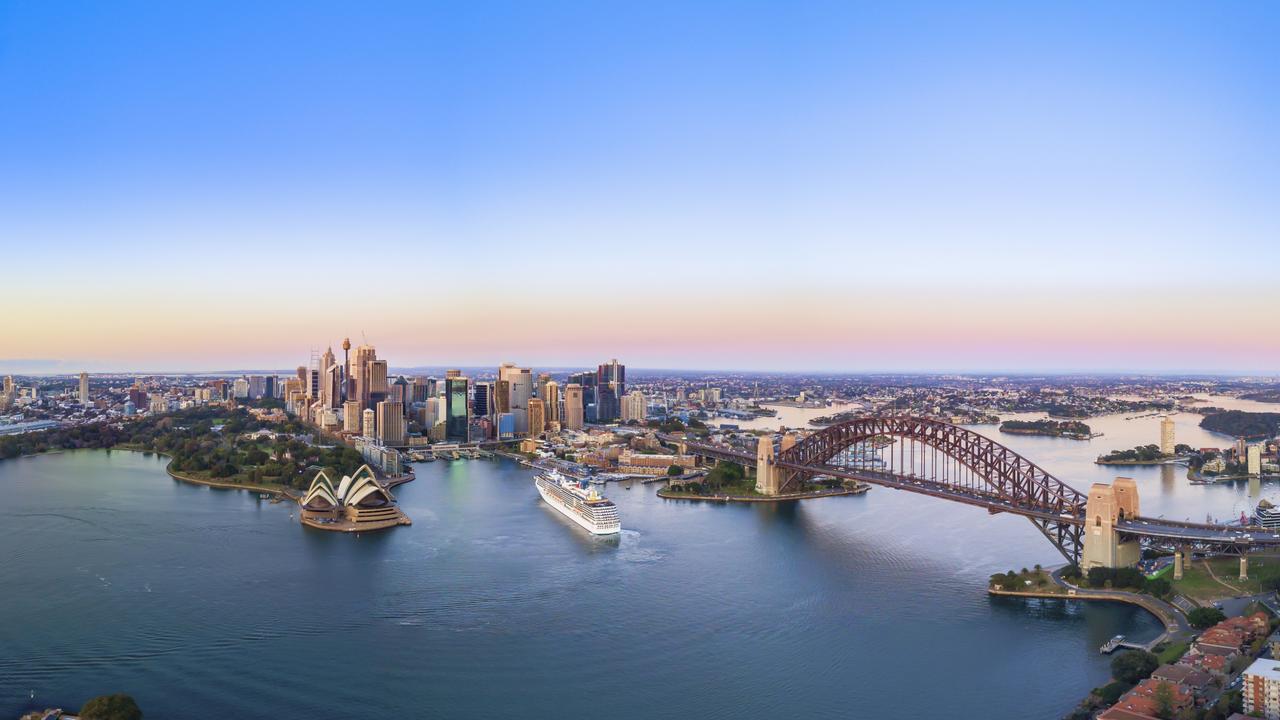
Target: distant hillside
1242,424
1267,396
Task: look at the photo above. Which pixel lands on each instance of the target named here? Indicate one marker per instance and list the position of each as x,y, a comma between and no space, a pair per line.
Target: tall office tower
302,376
634,407
573,415
1254,463
613,372
331,393
502,396
377,381
368,423
327,359
270,388
482,400
84,388
346,368
457,411
608,402
1166,436
549,391
351,416
537,418
257,386
240,389
8,384
398,390
390,423
418,389
587,380
359,386
521,389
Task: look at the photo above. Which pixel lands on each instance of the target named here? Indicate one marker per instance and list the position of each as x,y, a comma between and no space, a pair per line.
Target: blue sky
553,182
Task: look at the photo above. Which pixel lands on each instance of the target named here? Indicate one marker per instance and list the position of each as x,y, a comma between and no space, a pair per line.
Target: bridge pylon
1103,545
767,474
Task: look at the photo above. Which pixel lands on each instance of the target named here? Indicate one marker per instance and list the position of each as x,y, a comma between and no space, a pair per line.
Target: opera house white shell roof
354,490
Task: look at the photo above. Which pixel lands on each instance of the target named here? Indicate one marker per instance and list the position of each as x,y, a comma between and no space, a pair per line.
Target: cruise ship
586,507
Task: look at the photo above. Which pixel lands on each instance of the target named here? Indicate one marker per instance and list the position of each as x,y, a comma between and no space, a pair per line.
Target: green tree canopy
1134,665
111,707
1204,617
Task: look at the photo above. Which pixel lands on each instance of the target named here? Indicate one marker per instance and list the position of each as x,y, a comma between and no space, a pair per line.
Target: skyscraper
573,414
520,385
390,423
482,400
502,396
377,381
613,372
1167,445
608,402
351,416
84,388
537,418
457,412
549,391
359,384
369,423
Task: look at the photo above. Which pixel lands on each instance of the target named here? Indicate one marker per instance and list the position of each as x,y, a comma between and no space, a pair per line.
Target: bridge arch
1009,481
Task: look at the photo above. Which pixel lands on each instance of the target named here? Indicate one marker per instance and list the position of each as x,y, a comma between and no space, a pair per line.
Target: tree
1204,617
1134,665
1159,587
111,707
674,471
1164,700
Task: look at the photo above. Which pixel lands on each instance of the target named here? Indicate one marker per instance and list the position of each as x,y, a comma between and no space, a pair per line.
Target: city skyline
774,187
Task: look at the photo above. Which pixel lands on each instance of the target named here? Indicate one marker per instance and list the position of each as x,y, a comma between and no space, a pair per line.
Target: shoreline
837,492
1171,624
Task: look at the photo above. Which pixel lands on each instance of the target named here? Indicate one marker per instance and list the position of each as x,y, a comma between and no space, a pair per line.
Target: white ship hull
564,509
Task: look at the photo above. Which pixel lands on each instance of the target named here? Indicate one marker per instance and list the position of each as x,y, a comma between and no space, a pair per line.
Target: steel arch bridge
937,458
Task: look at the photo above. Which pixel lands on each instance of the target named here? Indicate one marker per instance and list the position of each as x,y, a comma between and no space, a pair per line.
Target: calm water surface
208,603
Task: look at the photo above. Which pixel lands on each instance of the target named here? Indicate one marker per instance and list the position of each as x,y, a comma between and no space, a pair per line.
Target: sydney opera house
357,504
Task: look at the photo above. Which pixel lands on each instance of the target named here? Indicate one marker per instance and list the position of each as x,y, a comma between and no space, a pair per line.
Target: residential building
1167,445
84,388
1261,689
634,407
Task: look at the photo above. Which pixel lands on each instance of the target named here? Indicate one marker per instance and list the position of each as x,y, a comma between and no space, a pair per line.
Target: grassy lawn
1170,653
1199,585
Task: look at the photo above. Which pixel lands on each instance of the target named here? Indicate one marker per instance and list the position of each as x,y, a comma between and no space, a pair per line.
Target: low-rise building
1142,703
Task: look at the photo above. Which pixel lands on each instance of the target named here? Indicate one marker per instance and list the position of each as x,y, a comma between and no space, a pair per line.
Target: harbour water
214,603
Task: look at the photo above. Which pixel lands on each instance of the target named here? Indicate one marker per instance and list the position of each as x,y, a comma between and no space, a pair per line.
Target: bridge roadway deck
1153,528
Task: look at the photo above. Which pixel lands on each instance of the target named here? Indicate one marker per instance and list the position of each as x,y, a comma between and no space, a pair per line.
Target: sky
835,186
